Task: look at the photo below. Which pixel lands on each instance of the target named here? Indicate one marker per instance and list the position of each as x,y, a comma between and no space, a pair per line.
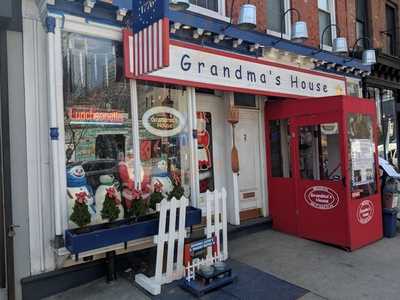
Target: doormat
251,283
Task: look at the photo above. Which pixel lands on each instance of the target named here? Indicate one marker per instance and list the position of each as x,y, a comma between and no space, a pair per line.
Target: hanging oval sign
163,121
321,197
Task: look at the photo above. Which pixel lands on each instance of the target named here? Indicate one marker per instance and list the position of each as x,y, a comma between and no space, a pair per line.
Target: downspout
54,132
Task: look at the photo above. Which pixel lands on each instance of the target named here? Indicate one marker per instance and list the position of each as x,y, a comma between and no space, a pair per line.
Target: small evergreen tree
110,209
156,196
177,190
80,212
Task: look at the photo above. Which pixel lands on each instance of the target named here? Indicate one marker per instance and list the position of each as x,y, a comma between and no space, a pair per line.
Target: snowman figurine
106,183
160,176
77,184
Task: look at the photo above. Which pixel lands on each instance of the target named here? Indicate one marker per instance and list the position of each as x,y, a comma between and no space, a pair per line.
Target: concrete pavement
372,272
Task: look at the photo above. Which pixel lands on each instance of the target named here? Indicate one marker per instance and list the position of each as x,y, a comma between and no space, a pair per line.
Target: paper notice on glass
362,161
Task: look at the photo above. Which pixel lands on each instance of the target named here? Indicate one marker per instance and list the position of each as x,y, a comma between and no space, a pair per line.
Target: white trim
80,25
211,13
332,12
135,132
288,23
194,166
263,175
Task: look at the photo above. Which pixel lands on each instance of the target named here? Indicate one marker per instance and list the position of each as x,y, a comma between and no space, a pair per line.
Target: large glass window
391,30
361,21
326,13
208,4
386,119
319,151
275,10
361,155
280,148
164,136
97,124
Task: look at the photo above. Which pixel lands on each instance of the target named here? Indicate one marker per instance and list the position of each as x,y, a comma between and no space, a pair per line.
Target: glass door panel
320,186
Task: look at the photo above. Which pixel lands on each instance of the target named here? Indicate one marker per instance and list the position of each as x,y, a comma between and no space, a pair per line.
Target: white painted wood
160,243
194,166
87,27
217,223
171,236
209,199
248,145
263,177
216,106
224,221
174,270
38,196
182,234
135,132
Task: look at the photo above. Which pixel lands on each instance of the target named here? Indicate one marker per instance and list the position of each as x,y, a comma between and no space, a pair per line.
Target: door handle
11,230
344,181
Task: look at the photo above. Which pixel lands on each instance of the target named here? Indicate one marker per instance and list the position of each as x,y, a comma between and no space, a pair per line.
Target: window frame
395,33
221,14
332,13
365,23
288,22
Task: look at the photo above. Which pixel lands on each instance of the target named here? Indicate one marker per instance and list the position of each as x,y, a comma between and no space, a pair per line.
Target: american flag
147,47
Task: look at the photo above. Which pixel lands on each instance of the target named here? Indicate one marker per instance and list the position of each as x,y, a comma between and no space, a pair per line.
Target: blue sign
147,12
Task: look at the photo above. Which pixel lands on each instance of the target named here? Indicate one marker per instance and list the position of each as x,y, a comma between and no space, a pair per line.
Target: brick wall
345,18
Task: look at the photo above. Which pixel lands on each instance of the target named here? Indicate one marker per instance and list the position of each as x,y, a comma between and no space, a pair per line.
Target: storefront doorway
248,144
211,143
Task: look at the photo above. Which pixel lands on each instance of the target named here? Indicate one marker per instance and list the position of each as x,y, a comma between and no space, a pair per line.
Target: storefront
382,85
119,122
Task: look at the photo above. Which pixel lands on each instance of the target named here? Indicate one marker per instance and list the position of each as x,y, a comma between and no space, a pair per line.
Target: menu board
362,161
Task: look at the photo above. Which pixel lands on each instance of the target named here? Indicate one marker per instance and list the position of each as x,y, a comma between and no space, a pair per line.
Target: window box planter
123,231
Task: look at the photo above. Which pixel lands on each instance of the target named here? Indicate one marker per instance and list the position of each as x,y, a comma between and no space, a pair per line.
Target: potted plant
177,190
80,212
156,196
111,204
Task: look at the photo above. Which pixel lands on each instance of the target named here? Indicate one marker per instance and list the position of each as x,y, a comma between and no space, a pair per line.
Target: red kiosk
322,169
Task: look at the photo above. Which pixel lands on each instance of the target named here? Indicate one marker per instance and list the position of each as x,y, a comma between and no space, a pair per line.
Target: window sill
278,34
207,12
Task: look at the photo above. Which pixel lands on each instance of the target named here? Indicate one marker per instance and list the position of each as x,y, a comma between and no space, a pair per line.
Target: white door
213,173
247,135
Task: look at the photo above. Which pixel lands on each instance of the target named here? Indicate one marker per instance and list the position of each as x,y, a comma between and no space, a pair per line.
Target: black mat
251,284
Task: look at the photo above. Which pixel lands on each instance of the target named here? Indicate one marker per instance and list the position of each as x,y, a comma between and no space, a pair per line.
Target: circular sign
321,197
365,212
163,121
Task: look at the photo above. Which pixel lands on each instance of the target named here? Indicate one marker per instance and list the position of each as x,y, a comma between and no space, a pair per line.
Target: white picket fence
215,206
174,271
197,263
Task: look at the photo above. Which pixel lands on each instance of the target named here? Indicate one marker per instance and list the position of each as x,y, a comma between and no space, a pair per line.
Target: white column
53,126
135,132
194,166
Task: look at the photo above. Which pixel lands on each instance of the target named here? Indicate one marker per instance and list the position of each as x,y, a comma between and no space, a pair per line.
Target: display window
361,155
280,148
205,151
98,129
164,138
318,150
386,116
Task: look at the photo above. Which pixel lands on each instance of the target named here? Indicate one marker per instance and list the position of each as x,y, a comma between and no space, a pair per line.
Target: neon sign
95,116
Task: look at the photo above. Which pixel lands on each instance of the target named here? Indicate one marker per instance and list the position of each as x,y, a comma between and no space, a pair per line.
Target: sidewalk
326,271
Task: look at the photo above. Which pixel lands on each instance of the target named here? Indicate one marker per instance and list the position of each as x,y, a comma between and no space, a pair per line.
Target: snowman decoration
160,177
77,186
107,189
